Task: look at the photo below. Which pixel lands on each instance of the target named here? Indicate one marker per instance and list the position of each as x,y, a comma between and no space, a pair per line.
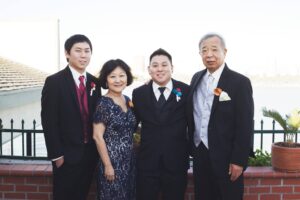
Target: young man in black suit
68,102
220,110
160,106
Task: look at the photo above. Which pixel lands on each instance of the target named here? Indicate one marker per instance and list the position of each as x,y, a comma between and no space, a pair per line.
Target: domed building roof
16,76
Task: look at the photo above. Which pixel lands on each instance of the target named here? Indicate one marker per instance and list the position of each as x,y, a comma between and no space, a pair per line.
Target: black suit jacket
163,134
230,128
61,117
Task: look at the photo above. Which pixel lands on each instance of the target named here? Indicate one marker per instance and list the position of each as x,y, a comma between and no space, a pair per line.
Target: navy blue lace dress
119,141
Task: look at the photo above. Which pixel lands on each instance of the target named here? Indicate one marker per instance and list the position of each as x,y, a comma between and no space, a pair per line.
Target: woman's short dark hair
110,66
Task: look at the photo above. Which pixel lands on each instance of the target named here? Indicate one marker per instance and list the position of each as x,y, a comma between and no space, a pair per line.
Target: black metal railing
28,138
262,132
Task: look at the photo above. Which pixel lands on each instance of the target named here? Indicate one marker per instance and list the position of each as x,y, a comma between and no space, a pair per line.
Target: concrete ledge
34,181
34,169
268,172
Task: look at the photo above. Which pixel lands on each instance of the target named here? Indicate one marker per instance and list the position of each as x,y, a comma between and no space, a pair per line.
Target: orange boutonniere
130,104
217,91
223,96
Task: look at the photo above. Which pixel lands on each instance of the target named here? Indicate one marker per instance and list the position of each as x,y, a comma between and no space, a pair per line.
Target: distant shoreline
257,80
276,81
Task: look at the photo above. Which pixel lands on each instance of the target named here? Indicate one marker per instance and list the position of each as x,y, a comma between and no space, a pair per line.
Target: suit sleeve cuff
55,159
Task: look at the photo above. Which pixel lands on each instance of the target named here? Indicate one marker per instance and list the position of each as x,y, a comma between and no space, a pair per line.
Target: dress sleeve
101,114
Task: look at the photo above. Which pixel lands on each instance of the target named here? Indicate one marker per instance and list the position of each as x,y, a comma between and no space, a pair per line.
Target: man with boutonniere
68,102
220,111
160,106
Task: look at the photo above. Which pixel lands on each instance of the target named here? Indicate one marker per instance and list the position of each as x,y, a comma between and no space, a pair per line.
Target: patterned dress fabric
119,141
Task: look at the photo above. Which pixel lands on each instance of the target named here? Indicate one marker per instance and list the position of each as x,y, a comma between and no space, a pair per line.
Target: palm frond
276,116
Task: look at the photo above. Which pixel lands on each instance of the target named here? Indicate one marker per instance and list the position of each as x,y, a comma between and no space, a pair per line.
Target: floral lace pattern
119,141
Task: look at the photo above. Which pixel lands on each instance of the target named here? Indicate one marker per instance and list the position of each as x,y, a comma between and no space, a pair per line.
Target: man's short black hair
160,52
76,39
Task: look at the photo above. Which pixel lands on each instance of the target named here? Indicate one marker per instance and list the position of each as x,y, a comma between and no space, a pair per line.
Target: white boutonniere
223,96
93,87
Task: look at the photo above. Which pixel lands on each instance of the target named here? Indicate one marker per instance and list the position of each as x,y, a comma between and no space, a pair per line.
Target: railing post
273,134
11,137
261,134
34,138
1,126
23,149
28,144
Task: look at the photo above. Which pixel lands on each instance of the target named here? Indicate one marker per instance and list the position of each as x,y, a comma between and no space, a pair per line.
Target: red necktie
83,108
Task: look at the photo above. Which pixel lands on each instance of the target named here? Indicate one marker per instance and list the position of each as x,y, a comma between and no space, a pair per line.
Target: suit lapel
150,102
221,84
149,97
88,93
72,87
171,103
197,81
172,98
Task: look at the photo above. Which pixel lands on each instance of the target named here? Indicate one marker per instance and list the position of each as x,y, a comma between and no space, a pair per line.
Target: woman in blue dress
114,124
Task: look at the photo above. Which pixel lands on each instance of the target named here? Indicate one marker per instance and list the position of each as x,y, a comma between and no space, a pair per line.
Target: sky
262,36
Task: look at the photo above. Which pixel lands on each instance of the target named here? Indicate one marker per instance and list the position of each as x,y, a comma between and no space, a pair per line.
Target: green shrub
261,159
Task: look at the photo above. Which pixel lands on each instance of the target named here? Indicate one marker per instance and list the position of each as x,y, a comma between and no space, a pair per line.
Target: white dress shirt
167,92
76,76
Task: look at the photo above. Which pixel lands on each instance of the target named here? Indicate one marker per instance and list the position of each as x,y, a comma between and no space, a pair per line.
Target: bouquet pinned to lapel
178,93
223,96
93,87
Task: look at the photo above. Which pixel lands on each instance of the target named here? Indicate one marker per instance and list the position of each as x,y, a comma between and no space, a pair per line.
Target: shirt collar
169,86
217,74
76,75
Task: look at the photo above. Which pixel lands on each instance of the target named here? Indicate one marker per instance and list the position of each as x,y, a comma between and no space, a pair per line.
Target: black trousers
161,184
72,181
209,187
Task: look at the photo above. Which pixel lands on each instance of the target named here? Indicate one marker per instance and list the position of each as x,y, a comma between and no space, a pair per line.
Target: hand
109,173
59,162
235,171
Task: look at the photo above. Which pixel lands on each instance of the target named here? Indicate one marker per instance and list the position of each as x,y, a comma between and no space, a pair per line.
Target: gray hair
210,35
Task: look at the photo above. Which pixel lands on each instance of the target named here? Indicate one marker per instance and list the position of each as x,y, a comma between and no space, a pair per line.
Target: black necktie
161,99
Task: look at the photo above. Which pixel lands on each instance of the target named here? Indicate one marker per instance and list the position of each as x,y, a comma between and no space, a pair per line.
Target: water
282,99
